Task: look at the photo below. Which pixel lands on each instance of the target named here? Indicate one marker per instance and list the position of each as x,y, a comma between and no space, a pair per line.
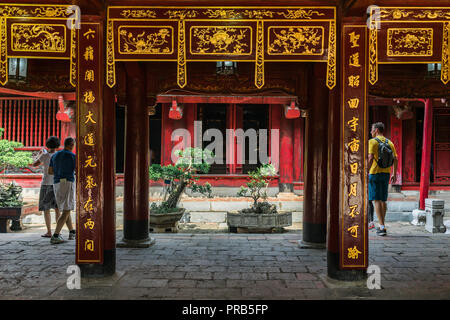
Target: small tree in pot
261,216
177,178
10,193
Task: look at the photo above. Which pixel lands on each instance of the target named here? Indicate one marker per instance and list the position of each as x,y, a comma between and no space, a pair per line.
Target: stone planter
6,214
165,221
256,222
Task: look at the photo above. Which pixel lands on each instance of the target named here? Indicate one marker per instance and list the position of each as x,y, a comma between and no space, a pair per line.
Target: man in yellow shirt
379,175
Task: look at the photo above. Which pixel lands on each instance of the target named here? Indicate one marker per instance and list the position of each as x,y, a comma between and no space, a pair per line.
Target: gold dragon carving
259,65
295,40
3,56
110,64
222,14
49,12
331,63
398,14
221,40
138,13
300,14
181,57
181,14
146,43
410,42
38,38
445,67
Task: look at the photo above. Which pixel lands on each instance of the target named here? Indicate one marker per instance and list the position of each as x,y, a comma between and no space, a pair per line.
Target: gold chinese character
89,162
353,103
353,213
353,253
354,39
88,205
354,231
89,245
354,60
89,34
354,145
354,167
90,182
89,54
89,96
89,224
89,75
353,191
353,81
89,139
353,123
89,118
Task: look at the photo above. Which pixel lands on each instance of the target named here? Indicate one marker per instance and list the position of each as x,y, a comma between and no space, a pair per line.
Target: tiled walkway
414,265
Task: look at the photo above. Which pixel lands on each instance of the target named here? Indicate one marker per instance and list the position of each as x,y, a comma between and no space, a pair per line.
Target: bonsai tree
180,176
9,157
10,194
256,189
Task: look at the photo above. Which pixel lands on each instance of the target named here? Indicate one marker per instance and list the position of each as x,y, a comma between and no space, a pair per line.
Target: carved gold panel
38,37
410,42
146,40
219,40
291,40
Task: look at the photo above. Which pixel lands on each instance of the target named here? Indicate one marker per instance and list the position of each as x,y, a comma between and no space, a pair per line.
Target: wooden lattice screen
30,121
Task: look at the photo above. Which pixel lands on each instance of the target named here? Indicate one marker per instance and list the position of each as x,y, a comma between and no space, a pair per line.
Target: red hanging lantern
176,112
62,115
291,111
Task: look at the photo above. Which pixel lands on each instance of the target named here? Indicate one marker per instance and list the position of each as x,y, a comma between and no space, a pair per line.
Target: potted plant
177,178
261,216
11,202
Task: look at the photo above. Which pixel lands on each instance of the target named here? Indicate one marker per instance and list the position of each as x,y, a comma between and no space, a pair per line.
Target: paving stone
227,275
153,283
306,276
182,283
254,276
199,275
281,276
413,264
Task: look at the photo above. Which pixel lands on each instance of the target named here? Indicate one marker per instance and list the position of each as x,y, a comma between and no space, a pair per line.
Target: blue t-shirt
63,163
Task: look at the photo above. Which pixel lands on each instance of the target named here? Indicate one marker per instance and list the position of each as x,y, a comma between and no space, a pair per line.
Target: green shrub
10,193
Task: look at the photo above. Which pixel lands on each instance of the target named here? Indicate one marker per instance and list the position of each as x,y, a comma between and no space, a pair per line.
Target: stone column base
311,245
146,243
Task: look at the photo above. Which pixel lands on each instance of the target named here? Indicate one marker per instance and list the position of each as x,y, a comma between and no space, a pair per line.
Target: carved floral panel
38,37
295,40
235,40
146,40
409,42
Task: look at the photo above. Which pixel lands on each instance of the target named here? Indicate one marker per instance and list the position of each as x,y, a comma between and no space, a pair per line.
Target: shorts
65,194
47,198
378,186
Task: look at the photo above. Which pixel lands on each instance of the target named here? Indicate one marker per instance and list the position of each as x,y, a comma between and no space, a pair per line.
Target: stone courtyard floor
196,264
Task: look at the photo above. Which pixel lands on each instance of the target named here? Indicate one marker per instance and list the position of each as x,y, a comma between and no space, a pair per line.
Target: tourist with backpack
382,156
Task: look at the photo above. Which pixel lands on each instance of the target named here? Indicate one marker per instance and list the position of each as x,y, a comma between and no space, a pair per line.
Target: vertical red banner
353,229
89,247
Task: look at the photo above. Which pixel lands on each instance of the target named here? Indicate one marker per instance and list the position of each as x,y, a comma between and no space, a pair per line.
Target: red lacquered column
316,149
136,178
426,153
286,154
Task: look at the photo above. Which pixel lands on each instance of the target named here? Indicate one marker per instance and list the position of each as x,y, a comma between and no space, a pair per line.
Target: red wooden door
441,146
